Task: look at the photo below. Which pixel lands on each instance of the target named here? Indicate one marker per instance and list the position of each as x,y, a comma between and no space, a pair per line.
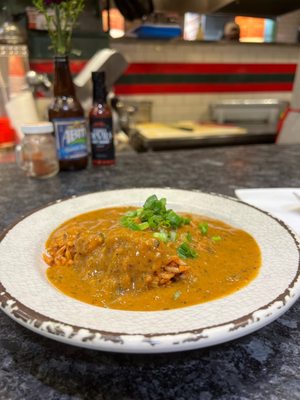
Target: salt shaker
36,154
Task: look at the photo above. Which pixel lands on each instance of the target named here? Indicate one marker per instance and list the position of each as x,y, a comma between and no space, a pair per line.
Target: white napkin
283,203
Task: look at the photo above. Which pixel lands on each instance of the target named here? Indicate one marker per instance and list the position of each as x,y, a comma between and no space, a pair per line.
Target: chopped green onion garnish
177,294
155,213
163,236
173,218
138,211
173,236
185,251
131,213
203,228
185,221
128,222
143,226
216,238
189,237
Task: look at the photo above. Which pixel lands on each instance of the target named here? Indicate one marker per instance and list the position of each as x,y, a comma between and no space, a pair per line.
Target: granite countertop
263,365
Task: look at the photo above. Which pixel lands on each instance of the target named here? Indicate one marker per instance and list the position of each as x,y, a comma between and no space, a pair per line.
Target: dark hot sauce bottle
101,130
67,116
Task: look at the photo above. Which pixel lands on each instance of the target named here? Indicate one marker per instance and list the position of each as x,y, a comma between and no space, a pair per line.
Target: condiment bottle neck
63,83
99,94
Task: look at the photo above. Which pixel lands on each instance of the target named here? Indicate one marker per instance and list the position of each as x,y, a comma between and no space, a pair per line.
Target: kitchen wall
181,79
288,26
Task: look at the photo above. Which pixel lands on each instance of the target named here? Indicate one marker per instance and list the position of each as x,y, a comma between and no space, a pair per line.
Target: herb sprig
186,251
154,215
163,222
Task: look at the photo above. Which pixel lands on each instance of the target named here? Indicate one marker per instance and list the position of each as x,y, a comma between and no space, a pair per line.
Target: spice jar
36,154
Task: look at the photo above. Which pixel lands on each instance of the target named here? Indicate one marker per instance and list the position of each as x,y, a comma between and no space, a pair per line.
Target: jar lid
37,128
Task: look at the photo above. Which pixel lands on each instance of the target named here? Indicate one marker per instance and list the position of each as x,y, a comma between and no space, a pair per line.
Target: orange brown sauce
94,259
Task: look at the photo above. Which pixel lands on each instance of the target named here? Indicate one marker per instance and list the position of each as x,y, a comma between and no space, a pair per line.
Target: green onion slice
203,228
185,251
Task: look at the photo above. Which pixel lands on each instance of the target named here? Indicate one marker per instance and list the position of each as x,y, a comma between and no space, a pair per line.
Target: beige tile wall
166,107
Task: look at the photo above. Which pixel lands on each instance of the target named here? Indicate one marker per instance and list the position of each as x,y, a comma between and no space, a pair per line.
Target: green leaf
186,221
163,236
131,213
142,226
128,222
155,221
154,212
139,211
173,236
150,201
173,218
203,228
185,251
189,237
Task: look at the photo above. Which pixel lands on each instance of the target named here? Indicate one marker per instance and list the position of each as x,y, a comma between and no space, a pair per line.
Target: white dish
28,298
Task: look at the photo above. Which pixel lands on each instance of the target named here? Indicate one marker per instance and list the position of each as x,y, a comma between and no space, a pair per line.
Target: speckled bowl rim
168,342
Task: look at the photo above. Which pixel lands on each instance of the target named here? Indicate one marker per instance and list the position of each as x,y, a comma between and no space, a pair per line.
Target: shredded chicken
122,262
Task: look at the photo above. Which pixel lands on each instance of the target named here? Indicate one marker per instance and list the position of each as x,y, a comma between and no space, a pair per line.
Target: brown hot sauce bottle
101,130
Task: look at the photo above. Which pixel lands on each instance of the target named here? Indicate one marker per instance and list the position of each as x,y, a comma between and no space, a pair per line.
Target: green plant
61,16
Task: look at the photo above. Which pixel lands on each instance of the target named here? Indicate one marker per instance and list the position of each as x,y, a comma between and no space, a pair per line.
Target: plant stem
60,47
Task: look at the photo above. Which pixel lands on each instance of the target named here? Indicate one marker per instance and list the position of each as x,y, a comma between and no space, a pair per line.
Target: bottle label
102,141
71,138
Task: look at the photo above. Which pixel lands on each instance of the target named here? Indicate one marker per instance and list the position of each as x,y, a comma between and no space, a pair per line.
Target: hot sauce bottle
100,117
67,116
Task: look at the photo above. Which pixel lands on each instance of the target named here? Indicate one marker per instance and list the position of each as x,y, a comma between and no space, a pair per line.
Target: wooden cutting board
186,129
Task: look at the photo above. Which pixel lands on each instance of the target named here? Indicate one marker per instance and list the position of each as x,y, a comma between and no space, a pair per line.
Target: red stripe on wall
47,67
175,68
201,88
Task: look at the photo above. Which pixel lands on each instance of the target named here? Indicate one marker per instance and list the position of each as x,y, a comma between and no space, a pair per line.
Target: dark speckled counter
264,365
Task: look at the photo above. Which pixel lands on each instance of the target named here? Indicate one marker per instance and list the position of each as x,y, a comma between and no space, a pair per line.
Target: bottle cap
37,128
99,87
98,76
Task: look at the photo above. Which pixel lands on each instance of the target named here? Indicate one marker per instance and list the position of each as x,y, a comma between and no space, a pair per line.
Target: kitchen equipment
13,66
134,9
21,109
107,60
3,95
38,81
10,31
252,8
157,31
183,134
265,112
7,134
259,117
289,130
130,113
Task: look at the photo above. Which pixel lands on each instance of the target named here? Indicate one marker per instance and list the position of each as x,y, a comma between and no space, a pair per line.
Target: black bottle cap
99,88
99,76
